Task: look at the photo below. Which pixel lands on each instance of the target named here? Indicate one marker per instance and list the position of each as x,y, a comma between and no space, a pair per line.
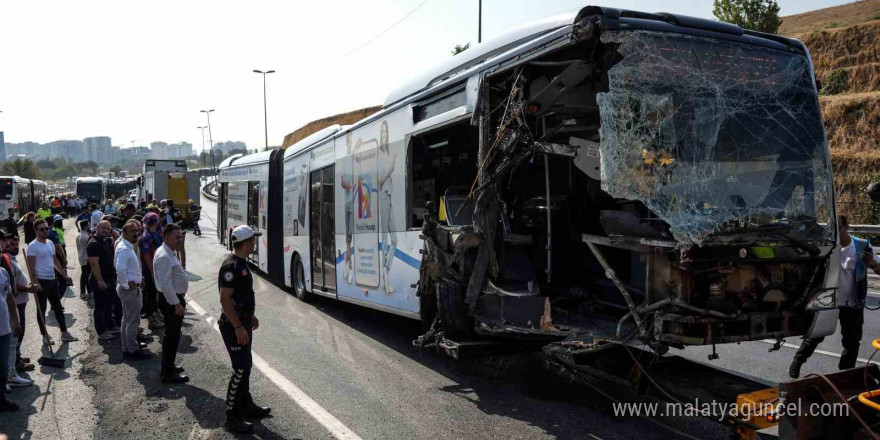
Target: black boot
794,370
237,423
252,410
6,405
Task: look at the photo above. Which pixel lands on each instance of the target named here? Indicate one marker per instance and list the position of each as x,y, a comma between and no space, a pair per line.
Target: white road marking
826,353
321,415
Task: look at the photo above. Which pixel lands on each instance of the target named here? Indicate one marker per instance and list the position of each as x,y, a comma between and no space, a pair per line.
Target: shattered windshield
714,136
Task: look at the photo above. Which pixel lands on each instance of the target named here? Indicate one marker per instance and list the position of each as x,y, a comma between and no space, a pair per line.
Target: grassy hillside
828,18
844,42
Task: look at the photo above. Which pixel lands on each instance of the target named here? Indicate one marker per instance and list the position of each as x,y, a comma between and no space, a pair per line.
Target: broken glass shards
708,133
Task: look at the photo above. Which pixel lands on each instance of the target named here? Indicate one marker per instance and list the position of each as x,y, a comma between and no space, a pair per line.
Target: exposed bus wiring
374,38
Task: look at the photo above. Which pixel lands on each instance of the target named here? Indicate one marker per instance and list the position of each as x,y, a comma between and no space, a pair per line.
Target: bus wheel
299,279
452,311
427,302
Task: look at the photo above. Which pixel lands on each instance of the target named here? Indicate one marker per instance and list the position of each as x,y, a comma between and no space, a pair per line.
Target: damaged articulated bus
643,177
603,175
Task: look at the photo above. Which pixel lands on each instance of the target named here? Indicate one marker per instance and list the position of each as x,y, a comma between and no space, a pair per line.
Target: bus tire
427,302
298,279
457,324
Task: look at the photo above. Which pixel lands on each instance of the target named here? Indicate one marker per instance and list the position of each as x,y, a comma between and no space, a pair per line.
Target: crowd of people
132,262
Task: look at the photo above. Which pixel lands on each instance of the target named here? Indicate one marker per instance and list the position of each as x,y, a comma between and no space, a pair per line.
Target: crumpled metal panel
709,133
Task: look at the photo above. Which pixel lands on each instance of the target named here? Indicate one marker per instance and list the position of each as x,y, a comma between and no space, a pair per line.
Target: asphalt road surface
334,370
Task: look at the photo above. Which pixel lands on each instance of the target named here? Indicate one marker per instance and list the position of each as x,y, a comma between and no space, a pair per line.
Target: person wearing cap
236,326
149,243
172,284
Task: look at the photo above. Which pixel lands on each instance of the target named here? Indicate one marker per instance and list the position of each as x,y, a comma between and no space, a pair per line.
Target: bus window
6,189
442,160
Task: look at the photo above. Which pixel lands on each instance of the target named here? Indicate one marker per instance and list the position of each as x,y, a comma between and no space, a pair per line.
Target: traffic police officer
237,325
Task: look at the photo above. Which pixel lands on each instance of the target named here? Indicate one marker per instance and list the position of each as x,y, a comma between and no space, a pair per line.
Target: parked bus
120,187
608,174
92,189
20,194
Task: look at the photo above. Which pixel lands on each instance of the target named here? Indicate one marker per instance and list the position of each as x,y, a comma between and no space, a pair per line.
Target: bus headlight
823,300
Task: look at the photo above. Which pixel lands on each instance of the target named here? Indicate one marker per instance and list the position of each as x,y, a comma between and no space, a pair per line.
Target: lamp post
479,21
210,137
265,118
204,154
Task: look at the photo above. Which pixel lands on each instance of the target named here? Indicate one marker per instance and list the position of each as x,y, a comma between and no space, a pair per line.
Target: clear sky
141,71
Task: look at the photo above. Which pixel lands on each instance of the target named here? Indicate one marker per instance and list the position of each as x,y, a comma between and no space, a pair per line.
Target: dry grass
842,48
834,17
852,122
319,124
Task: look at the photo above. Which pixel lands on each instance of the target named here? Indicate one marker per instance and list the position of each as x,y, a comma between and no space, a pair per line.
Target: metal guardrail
864,229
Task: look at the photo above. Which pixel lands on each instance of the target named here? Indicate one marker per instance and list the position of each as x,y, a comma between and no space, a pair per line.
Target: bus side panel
383,261
296,224
236,206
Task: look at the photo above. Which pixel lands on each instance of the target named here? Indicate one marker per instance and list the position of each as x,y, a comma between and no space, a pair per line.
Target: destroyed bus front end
651,177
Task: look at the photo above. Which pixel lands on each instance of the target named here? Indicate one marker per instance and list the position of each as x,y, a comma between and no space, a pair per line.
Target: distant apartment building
97,149
163,150
226,147
159,150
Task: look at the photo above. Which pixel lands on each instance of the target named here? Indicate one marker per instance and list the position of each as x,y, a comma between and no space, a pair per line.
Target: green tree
758,15
115,169
21,167
460,48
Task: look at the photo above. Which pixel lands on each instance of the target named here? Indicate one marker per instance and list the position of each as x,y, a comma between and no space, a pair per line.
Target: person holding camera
128,287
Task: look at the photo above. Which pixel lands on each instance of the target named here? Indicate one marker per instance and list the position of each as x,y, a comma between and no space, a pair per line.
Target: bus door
321,233
222,201
253,217
262,220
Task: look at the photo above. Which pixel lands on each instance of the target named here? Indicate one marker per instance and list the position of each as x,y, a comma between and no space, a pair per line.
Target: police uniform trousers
238,394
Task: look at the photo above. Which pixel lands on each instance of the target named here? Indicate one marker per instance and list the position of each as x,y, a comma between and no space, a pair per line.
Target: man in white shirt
128,283
172,284
96,217
42,264
856,257
82,241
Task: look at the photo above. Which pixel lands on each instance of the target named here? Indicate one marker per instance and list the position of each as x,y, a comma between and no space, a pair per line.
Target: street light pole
265,117
479,21
204,154
210,137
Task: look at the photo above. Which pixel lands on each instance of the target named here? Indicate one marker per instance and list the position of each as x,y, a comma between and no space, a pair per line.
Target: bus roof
250,159
480,53
226,162
89,179
312,139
